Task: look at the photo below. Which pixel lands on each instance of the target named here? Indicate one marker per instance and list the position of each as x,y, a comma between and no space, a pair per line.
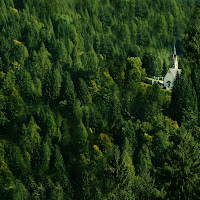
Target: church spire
174,49
174,61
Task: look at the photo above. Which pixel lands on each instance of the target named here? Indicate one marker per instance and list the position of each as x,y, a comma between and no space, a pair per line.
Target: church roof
174,71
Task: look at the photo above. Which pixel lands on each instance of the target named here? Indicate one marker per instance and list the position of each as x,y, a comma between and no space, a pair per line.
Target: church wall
168,77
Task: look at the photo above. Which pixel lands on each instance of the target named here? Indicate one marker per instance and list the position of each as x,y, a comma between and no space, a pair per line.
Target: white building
172,72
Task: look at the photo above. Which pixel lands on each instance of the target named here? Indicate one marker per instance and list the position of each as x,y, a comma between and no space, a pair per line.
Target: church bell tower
174,59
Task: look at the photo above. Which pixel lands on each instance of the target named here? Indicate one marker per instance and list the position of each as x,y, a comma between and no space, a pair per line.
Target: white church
172,72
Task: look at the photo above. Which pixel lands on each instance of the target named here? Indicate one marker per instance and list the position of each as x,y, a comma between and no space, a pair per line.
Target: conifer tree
183,106
181,171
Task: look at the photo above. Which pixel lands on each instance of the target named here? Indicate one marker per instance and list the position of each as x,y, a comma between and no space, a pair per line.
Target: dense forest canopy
78,121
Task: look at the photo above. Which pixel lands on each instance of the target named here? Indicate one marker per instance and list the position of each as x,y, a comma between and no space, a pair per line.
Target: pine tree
181,171
183,106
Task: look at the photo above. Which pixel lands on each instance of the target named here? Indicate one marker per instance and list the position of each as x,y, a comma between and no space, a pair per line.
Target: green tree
31,136
153,62
181,171
183,106
135,71
6,177
56,81
68,94
83,93
45,63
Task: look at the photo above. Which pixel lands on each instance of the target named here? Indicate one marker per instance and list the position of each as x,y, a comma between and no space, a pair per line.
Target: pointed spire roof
174,60
174,49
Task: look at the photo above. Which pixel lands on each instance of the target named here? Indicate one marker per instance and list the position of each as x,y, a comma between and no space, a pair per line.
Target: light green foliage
57,193
37,89
21,53
81,135
16,106
56,85
84,94
136,72
31,136
44,61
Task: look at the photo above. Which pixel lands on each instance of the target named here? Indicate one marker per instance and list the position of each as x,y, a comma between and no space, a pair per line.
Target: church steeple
174,60
174,50
172,72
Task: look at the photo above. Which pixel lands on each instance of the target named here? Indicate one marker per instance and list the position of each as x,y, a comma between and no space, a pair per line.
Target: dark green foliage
77,120
184,105
68,94
181,167
83,93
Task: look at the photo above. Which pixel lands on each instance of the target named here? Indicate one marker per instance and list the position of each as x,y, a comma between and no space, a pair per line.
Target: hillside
77,120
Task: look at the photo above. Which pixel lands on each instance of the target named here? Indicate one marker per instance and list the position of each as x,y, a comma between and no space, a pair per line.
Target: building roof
174,71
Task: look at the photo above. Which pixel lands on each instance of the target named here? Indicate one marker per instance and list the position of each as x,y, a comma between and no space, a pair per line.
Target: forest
77,119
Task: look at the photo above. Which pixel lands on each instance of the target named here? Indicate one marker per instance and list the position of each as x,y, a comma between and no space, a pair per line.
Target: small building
172,72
